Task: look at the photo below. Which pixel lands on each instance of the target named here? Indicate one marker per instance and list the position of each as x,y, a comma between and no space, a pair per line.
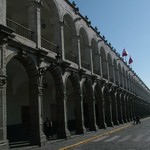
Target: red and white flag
124,53
130,60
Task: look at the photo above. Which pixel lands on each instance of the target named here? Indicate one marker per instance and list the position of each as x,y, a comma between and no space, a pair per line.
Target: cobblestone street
122,137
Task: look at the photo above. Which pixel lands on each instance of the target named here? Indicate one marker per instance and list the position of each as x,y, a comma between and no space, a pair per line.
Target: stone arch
15,13
127,106
110,66
104,63
127,79
29,126
50,26
116,71
119,106
95,57
84,49
88,105
74,103
107,105
124,77
60,93
123,101
70,40
120,74
99,109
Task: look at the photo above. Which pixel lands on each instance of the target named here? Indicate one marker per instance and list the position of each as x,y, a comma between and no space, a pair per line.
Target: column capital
38,3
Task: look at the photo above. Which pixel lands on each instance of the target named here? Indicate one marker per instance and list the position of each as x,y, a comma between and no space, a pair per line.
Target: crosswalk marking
113,138
138,138
125,138
99,139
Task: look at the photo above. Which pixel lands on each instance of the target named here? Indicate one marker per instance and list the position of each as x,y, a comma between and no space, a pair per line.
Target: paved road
135,137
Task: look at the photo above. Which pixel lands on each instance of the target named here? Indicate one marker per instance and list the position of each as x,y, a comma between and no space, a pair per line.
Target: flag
124,53
130,60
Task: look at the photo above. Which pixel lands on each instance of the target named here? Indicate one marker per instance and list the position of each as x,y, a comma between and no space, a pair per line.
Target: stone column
91,60
42,138
108,107
80,129
127,108
102,123
131,108
79,51
63,131
3,12
92,116
34,21
4,34
114,108
61,39
124,108
119,107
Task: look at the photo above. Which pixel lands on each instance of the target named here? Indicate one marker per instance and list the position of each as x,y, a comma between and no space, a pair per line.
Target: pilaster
4,34
3,12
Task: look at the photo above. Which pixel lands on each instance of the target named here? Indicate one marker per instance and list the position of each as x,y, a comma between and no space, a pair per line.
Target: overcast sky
125,24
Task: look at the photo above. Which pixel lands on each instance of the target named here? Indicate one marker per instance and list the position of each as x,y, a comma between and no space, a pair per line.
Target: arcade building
55,64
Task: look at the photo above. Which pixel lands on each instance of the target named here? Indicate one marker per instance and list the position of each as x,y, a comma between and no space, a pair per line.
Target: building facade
54,64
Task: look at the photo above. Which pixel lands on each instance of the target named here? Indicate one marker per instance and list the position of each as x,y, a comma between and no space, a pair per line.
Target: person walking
48,127
138,120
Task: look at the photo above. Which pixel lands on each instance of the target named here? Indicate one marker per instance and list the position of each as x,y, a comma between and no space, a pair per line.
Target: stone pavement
75,140
63,144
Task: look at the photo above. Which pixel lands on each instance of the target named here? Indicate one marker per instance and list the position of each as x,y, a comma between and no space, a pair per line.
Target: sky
125,24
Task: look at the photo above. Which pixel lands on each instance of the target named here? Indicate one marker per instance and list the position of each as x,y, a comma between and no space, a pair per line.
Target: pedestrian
138,120
134,120
48,128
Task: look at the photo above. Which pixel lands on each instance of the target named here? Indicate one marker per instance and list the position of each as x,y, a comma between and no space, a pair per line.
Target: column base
43,140
81,131
103,126
4,145
121,121
125,120
116,122
64,134
110,124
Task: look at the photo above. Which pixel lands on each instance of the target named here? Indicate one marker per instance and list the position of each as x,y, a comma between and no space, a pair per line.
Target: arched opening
70,40
49,105
86,107
119,107
49,26
110,66
123,101
120,74
15,13
15,20
95,57
18,102
99,106
71,110
84,49
108,107
116,72
124,78
104,63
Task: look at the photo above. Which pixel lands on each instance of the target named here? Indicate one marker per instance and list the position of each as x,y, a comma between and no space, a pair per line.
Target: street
135,137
